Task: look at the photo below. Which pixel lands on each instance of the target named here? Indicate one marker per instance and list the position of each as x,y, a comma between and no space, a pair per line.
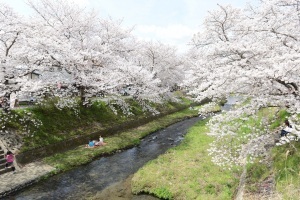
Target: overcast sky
170,21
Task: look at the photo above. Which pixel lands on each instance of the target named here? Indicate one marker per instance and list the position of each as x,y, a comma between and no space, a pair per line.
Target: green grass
287,170
285,158
280,117
82,155
58,125
256,170
186,171
256,173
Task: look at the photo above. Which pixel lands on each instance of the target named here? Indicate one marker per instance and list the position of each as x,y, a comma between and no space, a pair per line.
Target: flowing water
232,100
86,181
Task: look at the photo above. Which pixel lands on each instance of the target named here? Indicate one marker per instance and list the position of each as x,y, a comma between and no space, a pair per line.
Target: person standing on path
10,157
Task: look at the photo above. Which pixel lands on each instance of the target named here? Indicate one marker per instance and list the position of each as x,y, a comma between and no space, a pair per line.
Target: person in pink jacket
10,157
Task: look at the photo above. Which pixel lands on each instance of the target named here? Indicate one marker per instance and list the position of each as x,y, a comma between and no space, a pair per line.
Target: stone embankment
23,177
3,169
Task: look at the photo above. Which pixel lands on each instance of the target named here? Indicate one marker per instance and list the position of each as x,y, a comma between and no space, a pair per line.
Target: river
108,175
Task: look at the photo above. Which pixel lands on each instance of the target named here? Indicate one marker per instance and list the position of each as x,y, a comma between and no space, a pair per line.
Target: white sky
170,21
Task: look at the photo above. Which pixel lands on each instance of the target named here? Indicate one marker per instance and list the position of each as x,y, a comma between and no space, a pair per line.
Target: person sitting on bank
91,144
287,129
101,142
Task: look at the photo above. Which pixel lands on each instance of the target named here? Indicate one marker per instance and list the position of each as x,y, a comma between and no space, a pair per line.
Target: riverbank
117,142
187,172
110,129
79,156
34,129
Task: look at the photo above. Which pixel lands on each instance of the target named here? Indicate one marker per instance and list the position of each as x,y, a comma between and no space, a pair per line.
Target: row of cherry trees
253,53
100,56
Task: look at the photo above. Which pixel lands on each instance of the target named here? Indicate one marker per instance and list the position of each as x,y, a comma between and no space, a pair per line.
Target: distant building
54,76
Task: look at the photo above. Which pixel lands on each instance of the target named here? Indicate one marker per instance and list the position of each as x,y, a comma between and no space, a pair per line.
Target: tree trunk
5,104
82,94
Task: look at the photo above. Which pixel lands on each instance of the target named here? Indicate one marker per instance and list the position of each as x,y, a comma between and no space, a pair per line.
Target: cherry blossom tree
251,53
12,37
164,61
97,53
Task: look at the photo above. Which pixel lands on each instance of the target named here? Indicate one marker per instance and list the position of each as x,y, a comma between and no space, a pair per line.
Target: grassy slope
258,171
81,155
186,171
286,168
58,125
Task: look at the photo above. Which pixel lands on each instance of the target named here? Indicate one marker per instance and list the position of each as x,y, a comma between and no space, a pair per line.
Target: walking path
23,177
